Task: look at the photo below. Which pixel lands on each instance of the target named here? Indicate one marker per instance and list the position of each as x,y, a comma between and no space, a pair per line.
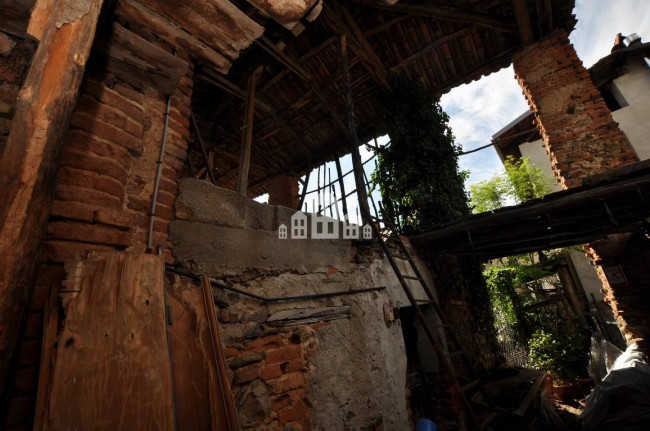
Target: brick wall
581,137
268,368
103,194
630,301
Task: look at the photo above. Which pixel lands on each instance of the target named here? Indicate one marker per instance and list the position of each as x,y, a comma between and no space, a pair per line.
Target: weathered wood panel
139,62
199,400
140,15
31,157
112,368
218,23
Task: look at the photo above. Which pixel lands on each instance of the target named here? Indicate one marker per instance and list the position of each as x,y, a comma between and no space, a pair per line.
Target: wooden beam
218,23
221,82
287,13
360,45
352,138
39,18
247,136
31,156
139,62
444,13
138,14
339,172
206,159
523,22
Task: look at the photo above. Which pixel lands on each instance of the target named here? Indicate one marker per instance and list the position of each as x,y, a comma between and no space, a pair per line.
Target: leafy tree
418,173
519,182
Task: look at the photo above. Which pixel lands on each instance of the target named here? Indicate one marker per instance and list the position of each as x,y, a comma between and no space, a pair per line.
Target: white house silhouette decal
322,227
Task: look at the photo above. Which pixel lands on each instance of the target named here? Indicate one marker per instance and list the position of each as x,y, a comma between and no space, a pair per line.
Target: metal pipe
268,300
161,156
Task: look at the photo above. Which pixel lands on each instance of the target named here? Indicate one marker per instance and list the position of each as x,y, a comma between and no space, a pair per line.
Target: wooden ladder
388,236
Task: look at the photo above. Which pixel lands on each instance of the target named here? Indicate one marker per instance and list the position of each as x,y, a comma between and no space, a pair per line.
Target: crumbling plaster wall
338,366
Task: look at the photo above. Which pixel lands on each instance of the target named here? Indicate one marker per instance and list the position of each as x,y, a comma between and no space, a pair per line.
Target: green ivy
417,173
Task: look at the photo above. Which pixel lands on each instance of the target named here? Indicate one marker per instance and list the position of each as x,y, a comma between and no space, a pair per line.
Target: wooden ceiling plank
218,23
139,62
444,13
133,11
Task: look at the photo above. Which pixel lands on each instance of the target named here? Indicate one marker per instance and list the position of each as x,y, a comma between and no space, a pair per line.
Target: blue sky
480,109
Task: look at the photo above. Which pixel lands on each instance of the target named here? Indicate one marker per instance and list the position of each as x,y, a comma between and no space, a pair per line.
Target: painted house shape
350,230
282,231
323,227
367,232
299,225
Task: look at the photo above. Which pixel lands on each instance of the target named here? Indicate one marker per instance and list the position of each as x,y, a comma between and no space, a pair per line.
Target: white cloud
482,108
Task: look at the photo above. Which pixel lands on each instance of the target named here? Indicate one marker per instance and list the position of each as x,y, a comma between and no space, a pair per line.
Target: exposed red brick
25,380
580,133
271,371
283,190
73,210
300,410
297,364
230,352
114,99
76,159
113,218
34,324
288,399
102,129
110,115
60,251
264,343
90,180
287,382
283,354
247,373
79,194
30,353
78,231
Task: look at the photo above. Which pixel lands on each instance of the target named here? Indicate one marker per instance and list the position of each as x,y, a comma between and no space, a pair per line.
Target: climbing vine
417,173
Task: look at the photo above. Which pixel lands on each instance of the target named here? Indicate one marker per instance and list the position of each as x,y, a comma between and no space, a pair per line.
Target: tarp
621,402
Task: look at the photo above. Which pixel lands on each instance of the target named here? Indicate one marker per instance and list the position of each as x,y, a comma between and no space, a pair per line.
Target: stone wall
576,125
103,193
322,364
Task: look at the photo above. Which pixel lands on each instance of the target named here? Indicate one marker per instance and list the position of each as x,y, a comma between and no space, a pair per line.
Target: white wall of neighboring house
587,274
634,119
536,152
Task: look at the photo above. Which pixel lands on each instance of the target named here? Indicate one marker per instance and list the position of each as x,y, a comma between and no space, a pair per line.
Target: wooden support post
352,138
31,158
247,136
304,191
567,283
523,22
205,154
343,200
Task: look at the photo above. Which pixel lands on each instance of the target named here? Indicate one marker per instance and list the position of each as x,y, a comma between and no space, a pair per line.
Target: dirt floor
570,415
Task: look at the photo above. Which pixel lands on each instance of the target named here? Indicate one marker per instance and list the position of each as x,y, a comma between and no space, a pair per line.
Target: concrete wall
588,275
335,364
634,119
